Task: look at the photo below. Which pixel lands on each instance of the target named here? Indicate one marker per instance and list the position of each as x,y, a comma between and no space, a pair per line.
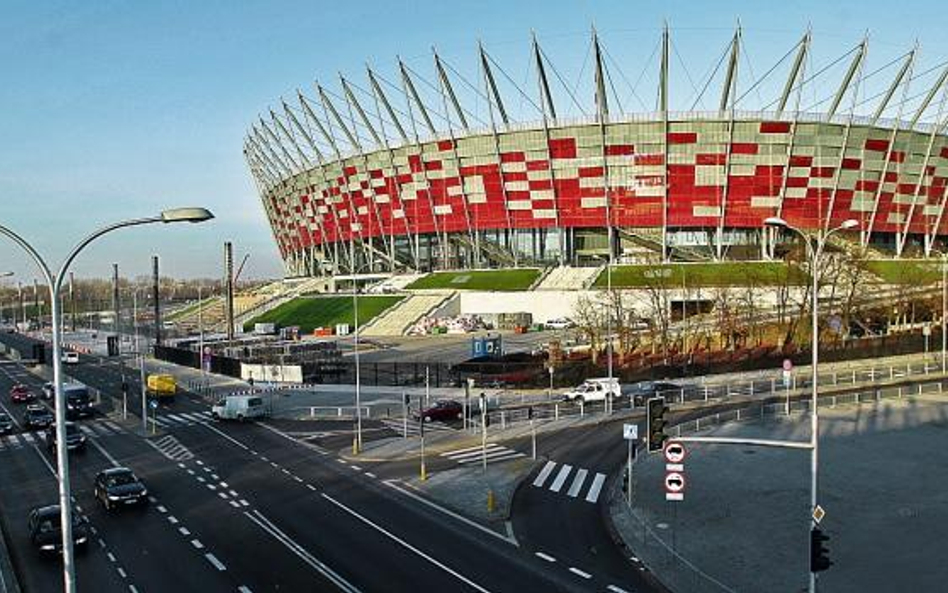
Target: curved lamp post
55,283
815,246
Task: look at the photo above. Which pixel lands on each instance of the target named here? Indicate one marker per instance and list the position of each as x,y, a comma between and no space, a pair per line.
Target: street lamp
609,308
944,308
54,284
815,246
3,310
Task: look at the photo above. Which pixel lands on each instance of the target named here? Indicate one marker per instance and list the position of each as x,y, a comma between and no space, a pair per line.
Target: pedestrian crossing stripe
91,430
171,448
576,486
183,419
492,452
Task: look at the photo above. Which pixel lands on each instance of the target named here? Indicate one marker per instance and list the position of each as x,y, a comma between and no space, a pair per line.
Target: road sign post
630,432
154,415
423,474
484,431
533,431
675,454
405,402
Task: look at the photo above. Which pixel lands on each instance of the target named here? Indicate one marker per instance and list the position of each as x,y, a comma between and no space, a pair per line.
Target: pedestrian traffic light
655,416
112,346
530,413
407,398
819,554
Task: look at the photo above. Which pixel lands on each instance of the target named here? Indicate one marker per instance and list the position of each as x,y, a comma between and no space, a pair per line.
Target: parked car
70,357
45,531
49,390
239,407
37,416
444,409
594,390
119,486
75,440
642,391
21,394
6,423
559,323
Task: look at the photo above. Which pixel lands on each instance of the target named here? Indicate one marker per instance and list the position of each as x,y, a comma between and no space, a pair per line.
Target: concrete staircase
568,278
396,320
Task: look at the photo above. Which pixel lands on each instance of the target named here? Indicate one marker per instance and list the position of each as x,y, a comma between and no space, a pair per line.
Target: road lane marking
214,561
560,478
265,524
370,474
244,589
544,474
172,519
197,544
407,545
450,513
543,556
578,481
183,531
593,494
226,436
121,572
576,571
615,589
105,453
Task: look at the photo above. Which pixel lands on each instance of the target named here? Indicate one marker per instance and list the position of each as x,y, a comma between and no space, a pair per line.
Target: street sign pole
630,432
484,432
405,415
533,430
421,428
628,474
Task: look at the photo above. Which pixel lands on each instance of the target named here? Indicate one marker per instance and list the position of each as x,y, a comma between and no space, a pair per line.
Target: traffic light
530,413
819,554
112,346
656,423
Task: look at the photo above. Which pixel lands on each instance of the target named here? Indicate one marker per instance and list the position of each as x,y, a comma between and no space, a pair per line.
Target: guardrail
338,411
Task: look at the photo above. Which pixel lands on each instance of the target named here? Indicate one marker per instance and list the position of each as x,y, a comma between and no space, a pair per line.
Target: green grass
309,313
703,274
905,271
504,280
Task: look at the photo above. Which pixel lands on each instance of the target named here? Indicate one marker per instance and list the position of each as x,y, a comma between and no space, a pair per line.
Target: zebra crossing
103,428
183,419
493,452
398,426
171,448
575,488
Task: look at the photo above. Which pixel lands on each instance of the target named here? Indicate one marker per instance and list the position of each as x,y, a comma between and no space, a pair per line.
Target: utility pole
115,302
157,303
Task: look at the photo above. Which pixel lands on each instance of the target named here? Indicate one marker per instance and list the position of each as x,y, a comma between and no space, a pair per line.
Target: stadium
419,173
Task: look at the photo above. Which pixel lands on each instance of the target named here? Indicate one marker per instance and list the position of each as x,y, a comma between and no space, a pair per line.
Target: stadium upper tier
350,189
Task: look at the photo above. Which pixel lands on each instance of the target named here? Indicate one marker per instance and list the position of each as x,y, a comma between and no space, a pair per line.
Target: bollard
503,420
490,500
582,408
556,411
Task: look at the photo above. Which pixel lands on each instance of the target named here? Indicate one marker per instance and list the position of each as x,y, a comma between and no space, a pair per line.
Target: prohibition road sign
674,486
675,452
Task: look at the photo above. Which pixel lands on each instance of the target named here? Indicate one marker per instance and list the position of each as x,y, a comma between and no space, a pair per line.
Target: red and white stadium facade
363,179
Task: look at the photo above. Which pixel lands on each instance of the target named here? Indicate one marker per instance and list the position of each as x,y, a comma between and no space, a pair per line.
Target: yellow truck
162,386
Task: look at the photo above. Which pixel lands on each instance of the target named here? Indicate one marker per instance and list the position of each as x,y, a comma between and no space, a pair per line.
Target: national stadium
426,169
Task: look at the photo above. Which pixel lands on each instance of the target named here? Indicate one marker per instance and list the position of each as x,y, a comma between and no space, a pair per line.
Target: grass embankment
905,271
502,280
310,313
703,274
192,308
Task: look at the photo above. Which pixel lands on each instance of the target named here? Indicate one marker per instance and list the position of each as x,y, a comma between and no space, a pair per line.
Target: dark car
6,423
75,440
46,533
48,390
445,409
119,486
78,401
20,394
37,416
644,390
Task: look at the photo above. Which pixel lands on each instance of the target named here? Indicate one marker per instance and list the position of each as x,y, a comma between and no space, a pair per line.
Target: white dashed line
357,468
244,503
161,509
197,544
311,487
615,589
342,461
172,519
111,557
183,531
211,487
121,572
217,563
576,571
370,474
222,495
298,479
235,504
243,589
543,556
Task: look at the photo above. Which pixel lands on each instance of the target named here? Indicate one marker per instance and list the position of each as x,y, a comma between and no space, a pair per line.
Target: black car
45,531
75,440
643,391
6,423
119,486
37,416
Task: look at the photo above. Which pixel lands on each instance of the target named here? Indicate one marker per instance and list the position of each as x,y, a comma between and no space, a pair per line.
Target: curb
8,580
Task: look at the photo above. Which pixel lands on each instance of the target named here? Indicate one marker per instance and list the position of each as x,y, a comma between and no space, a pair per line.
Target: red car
20,394
441,410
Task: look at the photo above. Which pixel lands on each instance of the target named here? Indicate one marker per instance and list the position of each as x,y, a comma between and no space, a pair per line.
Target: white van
594,390
239,407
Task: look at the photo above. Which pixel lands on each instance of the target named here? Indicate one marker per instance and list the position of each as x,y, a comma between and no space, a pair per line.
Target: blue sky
117,109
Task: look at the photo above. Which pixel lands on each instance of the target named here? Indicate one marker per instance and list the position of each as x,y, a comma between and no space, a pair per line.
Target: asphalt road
249,508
